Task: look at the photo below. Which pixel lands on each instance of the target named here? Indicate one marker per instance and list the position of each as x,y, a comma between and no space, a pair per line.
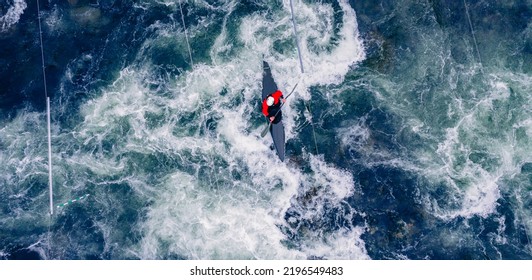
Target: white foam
339,183
355,135
315,24
474,187
190,221
12,16
480,192
477,189
54,19
23,156
341,245
229,218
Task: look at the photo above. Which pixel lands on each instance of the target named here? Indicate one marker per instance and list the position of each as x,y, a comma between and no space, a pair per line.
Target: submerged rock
89,17
86,15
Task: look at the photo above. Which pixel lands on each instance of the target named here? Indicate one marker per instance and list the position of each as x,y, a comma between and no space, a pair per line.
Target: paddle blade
265,131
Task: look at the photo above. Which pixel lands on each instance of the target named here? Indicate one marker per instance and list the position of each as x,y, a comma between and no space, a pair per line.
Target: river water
408,136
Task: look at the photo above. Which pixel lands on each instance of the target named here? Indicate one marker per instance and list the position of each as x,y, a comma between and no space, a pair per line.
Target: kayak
276,129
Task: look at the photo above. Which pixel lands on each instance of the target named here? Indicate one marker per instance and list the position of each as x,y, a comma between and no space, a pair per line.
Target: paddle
265,131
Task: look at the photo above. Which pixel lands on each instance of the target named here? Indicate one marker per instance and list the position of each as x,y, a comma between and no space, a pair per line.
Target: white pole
295,35
186,35
50,157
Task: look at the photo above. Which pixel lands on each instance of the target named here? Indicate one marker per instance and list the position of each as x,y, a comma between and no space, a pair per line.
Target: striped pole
47,114
72,201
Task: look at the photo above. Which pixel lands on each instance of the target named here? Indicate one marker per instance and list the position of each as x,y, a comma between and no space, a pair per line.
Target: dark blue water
408,136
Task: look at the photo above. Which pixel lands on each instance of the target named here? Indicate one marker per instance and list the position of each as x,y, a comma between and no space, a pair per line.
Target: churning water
408,136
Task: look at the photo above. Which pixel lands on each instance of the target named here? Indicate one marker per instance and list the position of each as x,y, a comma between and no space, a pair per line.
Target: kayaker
271,105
